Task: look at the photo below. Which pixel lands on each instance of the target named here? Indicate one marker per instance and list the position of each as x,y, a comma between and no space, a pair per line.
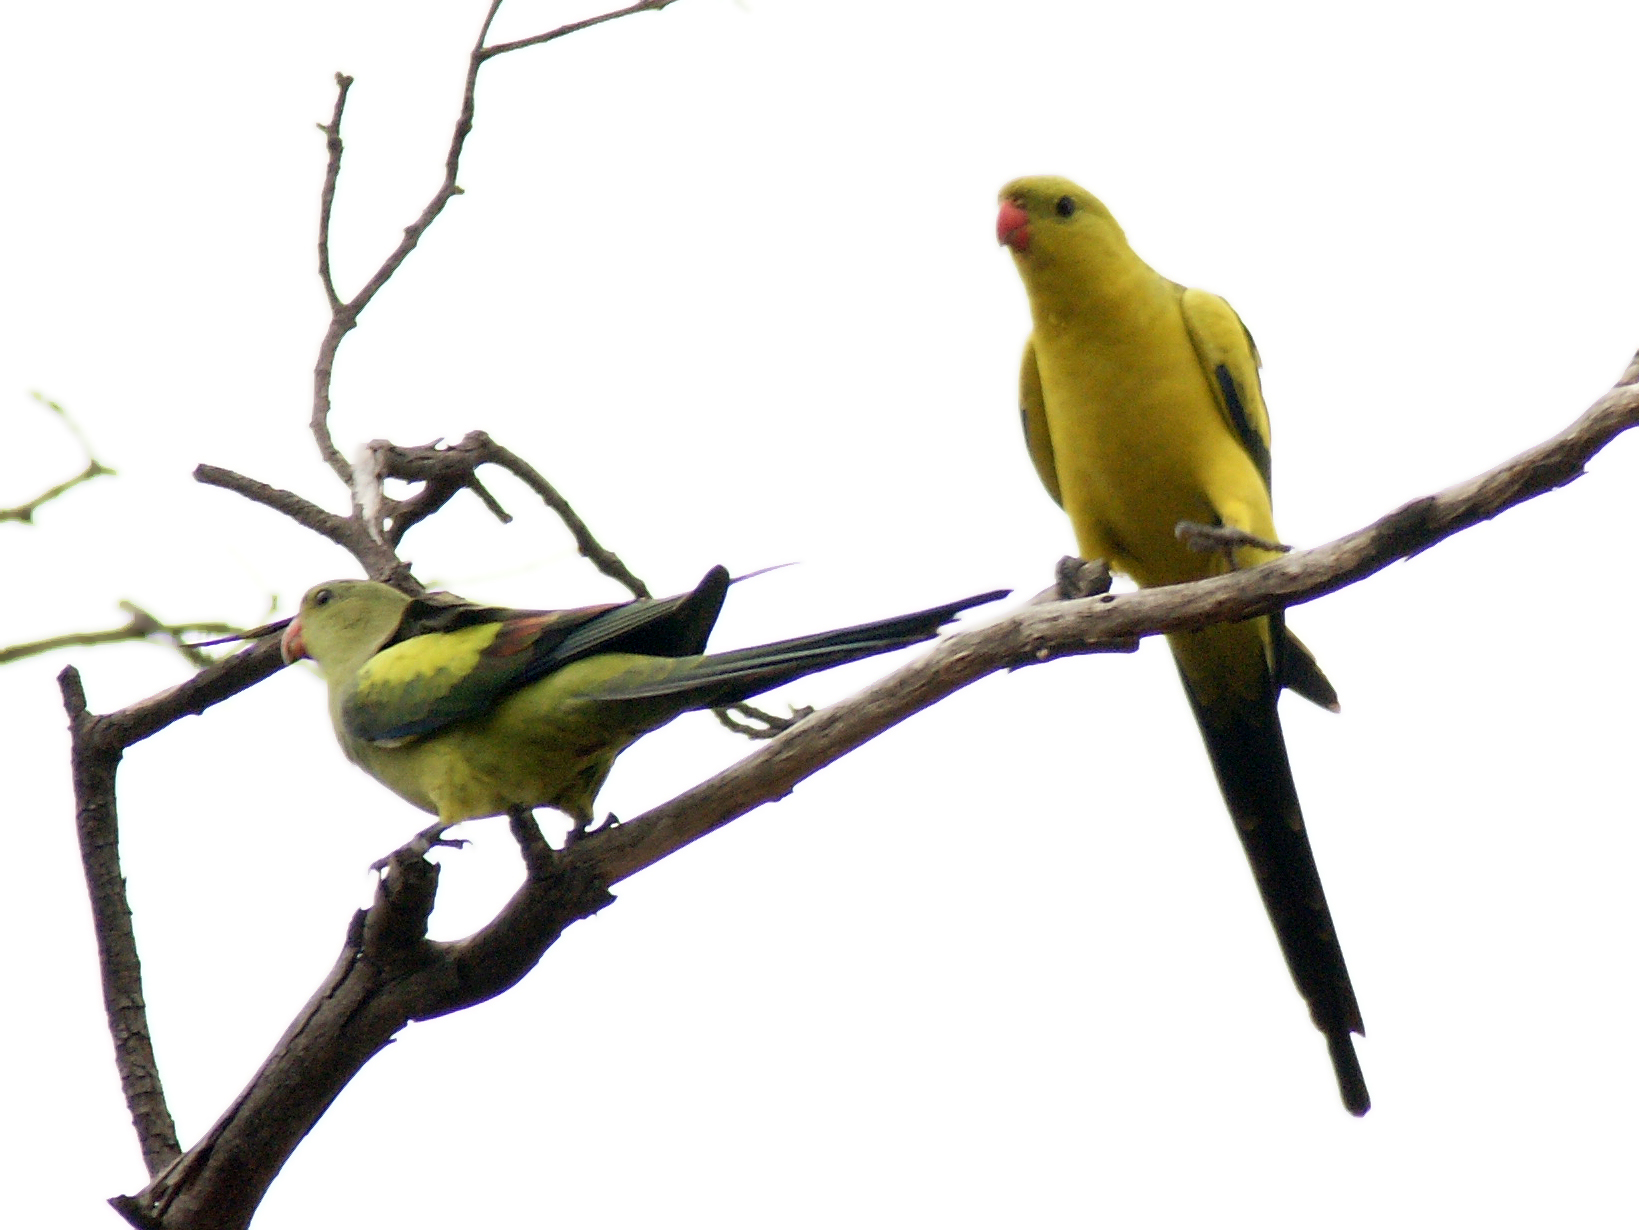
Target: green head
342,623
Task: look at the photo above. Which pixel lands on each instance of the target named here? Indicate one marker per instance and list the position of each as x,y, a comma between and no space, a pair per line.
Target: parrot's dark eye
322,596
1064,206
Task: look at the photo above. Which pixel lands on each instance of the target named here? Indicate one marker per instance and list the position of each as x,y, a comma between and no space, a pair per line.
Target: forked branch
389,973
318,1055
141,626
24,512
377,525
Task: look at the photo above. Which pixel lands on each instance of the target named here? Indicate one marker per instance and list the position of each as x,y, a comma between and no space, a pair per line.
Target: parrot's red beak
1013,226
291,648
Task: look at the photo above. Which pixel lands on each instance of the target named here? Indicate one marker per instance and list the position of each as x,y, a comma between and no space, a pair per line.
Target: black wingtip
1351,1081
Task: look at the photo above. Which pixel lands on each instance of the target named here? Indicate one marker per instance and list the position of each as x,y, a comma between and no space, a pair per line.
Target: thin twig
443,470
606,561
379,561
327,198
344,317
338,530
24,513
139,627
646,6
341,319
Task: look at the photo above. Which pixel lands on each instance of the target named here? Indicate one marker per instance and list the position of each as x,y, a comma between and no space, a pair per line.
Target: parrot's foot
1081,578
1211,539
771,723
427,839
585,826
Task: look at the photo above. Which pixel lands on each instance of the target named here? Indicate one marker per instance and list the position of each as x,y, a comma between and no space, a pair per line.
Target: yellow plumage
1142,410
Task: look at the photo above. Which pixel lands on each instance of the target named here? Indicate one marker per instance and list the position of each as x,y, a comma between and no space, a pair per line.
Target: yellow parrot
467,710
1144,416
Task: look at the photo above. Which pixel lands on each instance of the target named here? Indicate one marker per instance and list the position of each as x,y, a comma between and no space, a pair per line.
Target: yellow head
1062,238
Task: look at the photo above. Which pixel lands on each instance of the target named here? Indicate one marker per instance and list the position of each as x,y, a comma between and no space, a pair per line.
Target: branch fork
388,972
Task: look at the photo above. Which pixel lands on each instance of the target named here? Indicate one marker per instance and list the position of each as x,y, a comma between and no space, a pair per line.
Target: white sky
728,276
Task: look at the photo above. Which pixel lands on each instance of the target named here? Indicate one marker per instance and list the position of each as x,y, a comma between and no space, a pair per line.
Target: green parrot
467,710
1144,416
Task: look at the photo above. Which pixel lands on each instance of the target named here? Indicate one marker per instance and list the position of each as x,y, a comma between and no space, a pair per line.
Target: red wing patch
522,631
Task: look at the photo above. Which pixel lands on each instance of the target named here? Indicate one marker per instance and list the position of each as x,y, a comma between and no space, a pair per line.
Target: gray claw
418,846
1080,578
1222,539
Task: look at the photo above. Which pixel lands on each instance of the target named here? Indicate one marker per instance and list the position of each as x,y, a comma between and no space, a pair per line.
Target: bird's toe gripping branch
585,826
429,838
1080,578
1210,539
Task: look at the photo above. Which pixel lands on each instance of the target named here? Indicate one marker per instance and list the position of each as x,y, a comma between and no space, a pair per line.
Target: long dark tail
727,678
1248,753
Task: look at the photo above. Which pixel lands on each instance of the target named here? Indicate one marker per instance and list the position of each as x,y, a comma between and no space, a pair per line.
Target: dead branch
97,825
378,560
443,470
377,525
25,511
644,6
345,315
390,974
98,744
1105,622
140,627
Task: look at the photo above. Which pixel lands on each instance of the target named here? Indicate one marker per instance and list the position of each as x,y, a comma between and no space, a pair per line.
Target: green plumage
469,711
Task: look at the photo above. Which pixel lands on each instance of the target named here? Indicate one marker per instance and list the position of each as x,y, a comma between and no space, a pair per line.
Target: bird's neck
1073,291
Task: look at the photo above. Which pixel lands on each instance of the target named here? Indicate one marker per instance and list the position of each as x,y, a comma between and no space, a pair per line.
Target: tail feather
1248,753
726,678
1351,1081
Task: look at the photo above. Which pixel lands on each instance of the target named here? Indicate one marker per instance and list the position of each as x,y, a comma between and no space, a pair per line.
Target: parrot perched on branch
467,710
1144,416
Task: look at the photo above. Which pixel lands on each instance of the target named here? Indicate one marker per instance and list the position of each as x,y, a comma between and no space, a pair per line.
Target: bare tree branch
99,742
446,469
645,6
327,196
1106,622
442,471
221,1181
377,559
389,973
97,823
606,562
25,511
344,315
339,530
139,627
